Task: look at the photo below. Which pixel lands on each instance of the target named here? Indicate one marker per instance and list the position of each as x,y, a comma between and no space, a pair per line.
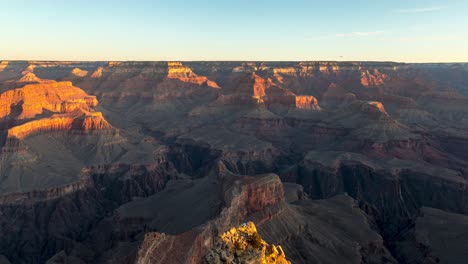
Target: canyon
231,162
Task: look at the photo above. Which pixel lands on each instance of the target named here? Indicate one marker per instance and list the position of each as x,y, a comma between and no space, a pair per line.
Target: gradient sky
398,30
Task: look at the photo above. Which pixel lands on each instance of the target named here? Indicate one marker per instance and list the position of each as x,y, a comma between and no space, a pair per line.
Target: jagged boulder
244,245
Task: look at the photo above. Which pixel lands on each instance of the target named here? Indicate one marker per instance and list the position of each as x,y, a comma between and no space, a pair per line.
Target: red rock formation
298,101
256,194
97,73
260,85
244,244
373,79
33,99
328,67
70,106
79,72
176,70
29,69
373,107
3,65
30,78
79,119
258,197
265,87
279,73
307,102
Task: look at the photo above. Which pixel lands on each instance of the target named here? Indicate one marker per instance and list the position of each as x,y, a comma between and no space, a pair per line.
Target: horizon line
382,61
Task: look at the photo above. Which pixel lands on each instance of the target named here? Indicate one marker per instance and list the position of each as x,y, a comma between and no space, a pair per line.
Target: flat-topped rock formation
176,70
79,72
79,120
56,106
33,99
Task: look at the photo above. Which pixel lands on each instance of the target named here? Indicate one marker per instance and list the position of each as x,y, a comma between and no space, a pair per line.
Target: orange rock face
77,120
34,99
280,72
29,78
260,85
97,73
307,102
56,106
79,72
177,70
377,105
3,65
265,87
244,244
373,79
328,67
29,69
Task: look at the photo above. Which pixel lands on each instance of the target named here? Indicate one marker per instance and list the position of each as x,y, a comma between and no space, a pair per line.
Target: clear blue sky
398,30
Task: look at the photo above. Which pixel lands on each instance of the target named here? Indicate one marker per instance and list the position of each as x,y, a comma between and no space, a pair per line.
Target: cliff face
79,120
219,242
30,78
62,106
258,198
431,240
79,72
374,141
182,73
373,79
57,218
34,99
307,102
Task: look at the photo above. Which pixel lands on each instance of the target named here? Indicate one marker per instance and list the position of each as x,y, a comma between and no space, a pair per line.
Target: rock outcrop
30,78
79,120
79,72
373,79
50,107
97,73
307,102
34,99
3,65
260,86
246,198
244,245
176,70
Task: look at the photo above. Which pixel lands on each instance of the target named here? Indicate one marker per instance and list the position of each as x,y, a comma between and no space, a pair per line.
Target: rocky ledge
57,106
244,245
